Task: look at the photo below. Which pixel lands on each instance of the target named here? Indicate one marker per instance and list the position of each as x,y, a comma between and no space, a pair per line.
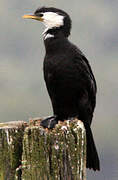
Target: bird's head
55,20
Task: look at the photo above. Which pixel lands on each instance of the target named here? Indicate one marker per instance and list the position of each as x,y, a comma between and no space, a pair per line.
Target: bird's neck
53,40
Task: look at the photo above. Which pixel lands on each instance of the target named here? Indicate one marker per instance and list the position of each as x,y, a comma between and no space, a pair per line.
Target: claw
49,122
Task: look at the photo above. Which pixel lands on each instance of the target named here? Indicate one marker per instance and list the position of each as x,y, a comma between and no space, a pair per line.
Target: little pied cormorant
69,79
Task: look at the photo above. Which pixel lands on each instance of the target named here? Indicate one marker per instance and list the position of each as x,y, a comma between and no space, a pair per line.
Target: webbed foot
49,122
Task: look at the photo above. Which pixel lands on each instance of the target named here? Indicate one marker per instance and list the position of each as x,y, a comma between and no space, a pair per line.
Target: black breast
70,81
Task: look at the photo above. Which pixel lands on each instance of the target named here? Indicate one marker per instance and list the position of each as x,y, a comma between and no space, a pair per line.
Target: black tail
92,155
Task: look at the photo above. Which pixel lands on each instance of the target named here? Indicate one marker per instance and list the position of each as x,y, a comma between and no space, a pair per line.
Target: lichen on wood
54,154
28,151
11,135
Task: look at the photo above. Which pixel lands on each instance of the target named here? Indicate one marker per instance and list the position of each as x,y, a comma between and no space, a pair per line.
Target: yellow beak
32,17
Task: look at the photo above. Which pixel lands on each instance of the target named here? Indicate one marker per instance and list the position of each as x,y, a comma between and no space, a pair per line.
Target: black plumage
69,80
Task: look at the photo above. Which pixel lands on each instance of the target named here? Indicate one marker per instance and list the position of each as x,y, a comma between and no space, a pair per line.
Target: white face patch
51,19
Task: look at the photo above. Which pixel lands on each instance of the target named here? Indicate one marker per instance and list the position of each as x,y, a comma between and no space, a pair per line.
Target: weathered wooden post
11,138
31,152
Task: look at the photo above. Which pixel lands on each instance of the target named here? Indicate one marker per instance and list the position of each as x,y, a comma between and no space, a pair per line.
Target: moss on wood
30,152
54,154
11,135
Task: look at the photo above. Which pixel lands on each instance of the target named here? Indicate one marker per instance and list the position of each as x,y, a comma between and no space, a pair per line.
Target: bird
68,76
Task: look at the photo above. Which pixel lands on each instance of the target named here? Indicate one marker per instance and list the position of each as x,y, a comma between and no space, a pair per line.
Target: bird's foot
71,118
49,122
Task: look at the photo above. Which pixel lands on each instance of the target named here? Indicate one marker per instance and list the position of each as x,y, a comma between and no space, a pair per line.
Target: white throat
47,35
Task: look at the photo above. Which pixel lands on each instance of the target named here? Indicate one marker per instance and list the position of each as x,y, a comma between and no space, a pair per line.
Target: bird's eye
40,15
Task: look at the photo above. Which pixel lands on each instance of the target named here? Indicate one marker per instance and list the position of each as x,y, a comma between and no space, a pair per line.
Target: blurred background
23,94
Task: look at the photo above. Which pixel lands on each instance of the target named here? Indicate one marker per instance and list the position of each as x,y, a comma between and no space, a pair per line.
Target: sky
23,94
